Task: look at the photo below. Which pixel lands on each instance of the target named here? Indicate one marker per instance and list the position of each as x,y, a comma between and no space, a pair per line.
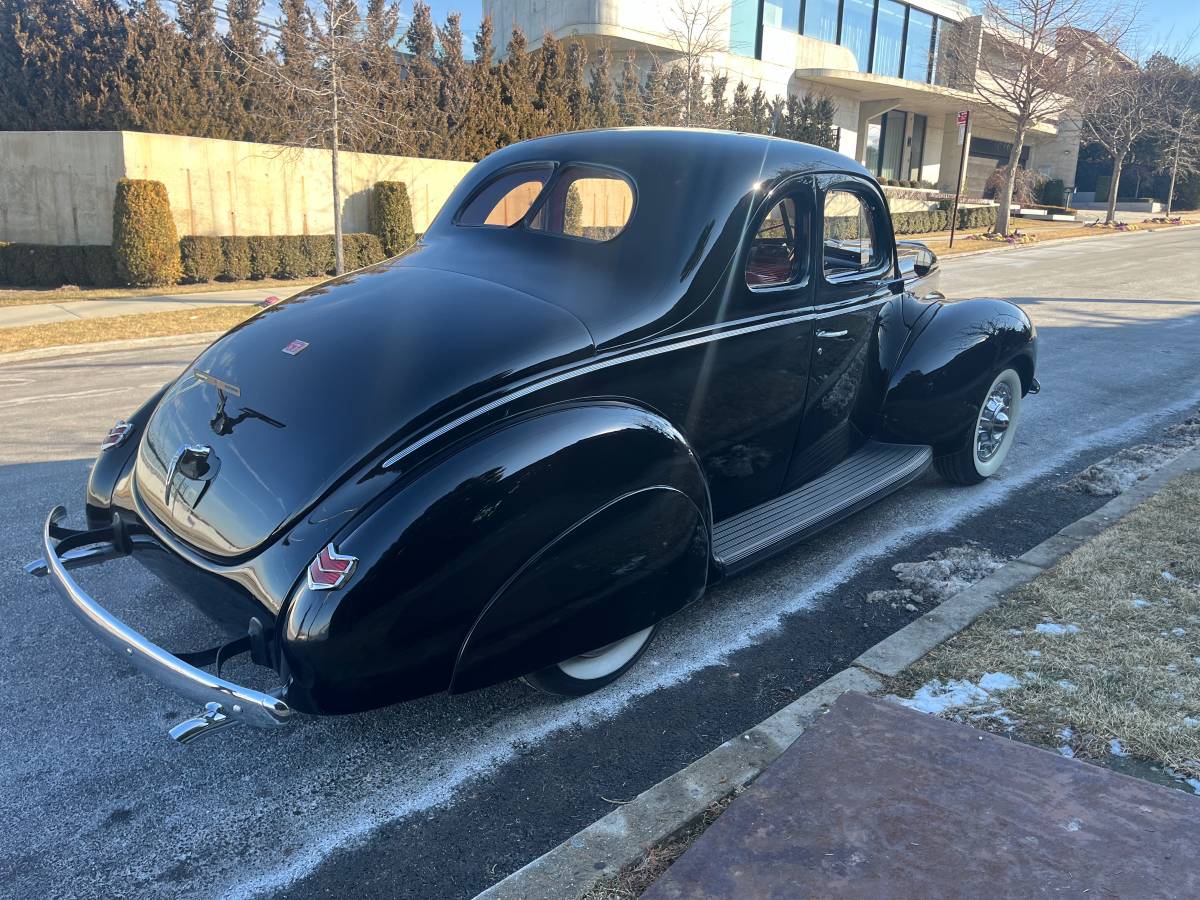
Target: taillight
116,435
330,570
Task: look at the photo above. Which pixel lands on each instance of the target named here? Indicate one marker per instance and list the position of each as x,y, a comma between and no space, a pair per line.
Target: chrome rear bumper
224,703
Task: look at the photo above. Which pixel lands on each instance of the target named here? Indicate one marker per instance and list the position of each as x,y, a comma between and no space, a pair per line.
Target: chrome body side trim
700,338
234,703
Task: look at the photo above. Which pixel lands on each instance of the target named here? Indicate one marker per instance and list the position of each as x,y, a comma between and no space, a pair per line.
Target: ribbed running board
874,470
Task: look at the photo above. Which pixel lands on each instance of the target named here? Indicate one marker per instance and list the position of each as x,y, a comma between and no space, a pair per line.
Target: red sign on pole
962,118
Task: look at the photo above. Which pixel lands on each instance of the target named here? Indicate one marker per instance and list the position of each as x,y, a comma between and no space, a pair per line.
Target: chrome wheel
994,420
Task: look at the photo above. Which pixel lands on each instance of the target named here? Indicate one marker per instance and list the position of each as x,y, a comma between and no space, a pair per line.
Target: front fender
934,394
436,551
111,464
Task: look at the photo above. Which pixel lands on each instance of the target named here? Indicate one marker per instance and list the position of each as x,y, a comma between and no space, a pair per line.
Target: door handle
832,334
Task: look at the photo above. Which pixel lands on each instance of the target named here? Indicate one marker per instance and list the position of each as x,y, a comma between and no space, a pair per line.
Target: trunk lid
280,408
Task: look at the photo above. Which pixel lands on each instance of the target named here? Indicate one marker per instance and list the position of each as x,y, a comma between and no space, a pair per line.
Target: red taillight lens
330,570
116,435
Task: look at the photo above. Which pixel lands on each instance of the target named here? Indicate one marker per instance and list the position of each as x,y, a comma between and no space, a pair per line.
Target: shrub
319,253
144,237
19,265
391,216
72,268
201,258
4,245
264,256
292,261
1025,189
362,250
235,258
1054,192
100,264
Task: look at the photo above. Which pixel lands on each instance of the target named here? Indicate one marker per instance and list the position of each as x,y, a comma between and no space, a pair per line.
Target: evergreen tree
826,134
551,99
601,98
520,120
629,100
423,87
576,90
159,87
455,98
654,94
740,116
695,109
483,120
760,112
718,110
101,48
676,91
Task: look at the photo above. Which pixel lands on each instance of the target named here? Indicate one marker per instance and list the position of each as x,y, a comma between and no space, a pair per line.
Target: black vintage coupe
620,366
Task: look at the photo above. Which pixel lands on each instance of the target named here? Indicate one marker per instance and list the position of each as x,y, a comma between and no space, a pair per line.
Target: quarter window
777,252
506,198
587,203
850,240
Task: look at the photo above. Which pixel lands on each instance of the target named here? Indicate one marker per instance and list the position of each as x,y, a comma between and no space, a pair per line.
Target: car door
854,276
749,388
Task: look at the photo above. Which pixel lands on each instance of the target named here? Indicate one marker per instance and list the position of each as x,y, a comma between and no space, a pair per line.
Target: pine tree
629,98
520,119
159,87
423,83
601,98
760,112
101,54
455,97
740,116
576,90
676,92
551,99
718,111
695,109
654,94
483,120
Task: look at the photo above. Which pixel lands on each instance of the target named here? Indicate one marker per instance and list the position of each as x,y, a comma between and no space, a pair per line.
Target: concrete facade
57,187
788,62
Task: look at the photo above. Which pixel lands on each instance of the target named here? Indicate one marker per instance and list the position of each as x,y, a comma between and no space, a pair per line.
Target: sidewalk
878,800
73,310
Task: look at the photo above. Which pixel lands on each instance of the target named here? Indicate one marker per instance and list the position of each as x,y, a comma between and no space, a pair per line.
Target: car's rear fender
934,392
440,548
111,464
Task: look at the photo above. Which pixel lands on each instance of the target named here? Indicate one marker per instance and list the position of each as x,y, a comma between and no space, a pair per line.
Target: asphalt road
441,797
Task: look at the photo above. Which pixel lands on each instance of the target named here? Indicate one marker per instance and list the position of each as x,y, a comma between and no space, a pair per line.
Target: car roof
694,189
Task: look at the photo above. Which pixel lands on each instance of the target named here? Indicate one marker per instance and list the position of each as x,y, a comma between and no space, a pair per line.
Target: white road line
95,392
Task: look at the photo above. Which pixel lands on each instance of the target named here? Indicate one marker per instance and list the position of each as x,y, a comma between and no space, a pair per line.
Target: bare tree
1120,108
1034,58
696,29
1179,120
327,89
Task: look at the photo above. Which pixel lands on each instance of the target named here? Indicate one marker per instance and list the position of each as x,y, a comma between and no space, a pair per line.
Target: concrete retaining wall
57,187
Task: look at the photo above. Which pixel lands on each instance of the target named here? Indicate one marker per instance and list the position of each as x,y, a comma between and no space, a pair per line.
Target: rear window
506,199
588,203
584,202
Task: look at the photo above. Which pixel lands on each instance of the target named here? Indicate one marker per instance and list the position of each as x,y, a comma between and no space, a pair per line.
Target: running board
872,472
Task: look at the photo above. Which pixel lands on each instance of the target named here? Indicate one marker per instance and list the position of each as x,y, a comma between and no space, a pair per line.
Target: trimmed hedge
45,265
201,258
264,256
939,219
1054,192
235,258
144,237
391,217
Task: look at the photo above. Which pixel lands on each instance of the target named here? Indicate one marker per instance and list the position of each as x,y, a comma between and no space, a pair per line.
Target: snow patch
1125,468
1055,628
936,698
1139,602
945,573
1116,748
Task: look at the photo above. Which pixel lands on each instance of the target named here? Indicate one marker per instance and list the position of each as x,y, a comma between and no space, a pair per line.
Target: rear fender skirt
441,548
935,390
625,567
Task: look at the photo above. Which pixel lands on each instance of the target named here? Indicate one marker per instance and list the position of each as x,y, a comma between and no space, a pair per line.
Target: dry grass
1131,672
32,296
635,880
1041,232
87,331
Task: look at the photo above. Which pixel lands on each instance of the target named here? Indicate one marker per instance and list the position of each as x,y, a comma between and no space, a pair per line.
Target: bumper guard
224,703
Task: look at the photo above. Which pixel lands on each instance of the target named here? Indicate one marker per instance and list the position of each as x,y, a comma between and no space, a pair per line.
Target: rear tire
589,672
992,436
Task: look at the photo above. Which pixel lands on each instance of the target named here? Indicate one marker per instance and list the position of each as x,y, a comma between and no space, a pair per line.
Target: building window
744,28
890,153
857,19
918,46
889,38
916,157
871,160
782,14
821,20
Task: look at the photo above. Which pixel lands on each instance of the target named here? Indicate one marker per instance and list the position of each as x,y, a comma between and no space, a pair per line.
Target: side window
779,247
850,242
588,203
506,198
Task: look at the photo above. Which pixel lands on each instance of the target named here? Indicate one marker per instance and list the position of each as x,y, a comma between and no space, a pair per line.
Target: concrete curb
1003,248
168,340
621,838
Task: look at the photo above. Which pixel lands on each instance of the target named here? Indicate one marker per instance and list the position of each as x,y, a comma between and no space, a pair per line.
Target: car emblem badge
295,347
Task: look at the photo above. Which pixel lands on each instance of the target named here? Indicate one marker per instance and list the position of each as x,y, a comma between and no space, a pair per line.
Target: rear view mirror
925,262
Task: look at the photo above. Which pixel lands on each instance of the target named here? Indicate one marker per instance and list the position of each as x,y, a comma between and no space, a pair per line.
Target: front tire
992,437
591,671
